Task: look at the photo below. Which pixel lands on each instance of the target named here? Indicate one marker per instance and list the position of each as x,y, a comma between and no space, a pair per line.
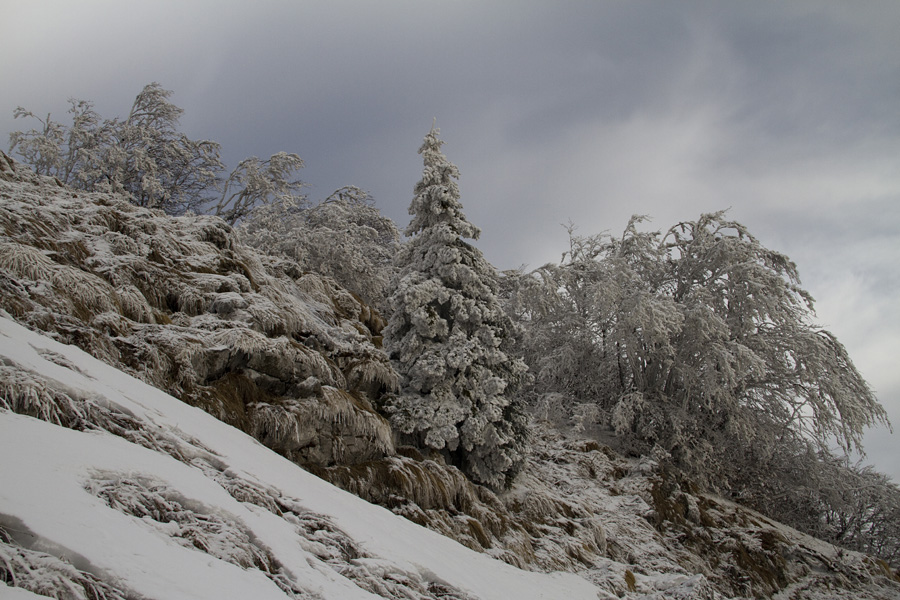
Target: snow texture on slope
75,495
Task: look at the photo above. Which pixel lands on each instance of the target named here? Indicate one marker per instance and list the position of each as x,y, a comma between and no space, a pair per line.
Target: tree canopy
700,341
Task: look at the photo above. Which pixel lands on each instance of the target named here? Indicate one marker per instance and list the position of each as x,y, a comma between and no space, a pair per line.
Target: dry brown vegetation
285,355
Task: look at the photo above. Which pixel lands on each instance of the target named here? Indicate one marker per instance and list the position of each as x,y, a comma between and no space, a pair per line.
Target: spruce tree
449,337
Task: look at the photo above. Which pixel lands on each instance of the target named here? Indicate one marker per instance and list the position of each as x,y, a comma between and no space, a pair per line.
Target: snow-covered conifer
448,334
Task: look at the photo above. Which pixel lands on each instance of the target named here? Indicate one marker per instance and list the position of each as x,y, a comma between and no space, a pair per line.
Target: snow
14,593
46,504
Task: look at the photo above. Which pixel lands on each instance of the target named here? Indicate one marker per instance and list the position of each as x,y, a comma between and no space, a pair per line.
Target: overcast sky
788,113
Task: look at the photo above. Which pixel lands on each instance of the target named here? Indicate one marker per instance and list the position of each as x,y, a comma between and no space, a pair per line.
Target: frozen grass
180,303
47,575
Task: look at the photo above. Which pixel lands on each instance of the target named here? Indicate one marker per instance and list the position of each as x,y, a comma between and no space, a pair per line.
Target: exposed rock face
285,355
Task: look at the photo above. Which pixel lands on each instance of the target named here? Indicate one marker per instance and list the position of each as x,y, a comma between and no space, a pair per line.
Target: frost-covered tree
152,161
700,341
256,182
143,155
862,511
62,151
146,157
345,236
831,498
450,337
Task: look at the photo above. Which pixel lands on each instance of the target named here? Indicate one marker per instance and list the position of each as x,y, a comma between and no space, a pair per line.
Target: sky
787,114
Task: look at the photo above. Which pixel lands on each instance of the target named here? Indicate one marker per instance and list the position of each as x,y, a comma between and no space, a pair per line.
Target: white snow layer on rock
173,523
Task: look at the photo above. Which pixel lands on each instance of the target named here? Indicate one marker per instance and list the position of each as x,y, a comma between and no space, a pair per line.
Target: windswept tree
450,336
345,236
256,182
148,158
153,162
700,341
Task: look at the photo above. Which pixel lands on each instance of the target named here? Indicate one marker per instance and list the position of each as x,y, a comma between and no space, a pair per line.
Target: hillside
107,478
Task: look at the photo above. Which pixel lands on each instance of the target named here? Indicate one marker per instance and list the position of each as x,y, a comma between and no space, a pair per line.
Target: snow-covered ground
180,505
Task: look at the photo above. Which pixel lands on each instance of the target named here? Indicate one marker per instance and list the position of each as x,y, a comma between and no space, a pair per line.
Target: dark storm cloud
553,111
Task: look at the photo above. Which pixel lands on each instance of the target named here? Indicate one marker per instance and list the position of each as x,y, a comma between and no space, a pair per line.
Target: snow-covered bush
450,337
847,504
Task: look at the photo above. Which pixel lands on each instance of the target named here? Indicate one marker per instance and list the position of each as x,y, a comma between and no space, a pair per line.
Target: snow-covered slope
180,505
